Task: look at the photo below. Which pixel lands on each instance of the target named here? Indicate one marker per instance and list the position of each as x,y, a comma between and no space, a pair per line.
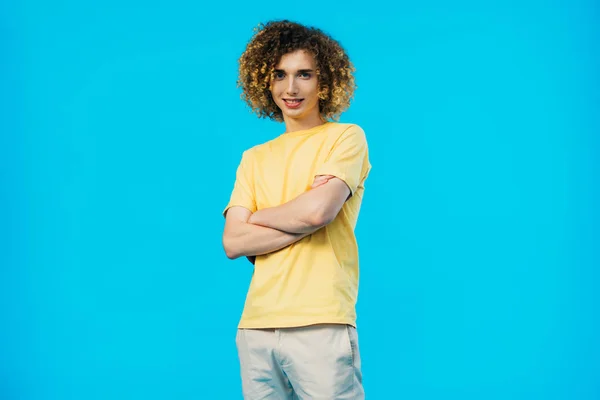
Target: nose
292,87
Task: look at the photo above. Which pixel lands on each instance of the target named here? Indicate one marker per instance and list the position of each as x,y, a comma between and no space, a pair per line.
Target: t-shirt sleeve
348,158
243,188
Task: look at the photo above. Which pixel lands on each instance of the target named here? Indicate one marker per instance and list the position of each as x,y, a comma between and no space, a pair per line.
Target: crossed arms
274,228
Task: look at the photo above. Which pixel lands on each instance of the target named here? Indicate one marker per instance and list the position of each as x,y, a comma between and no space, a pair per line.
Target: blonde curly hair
264,51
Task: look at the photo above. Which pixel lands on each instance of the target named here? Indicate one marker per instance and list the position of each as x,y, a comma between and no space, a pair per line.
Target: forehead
299,59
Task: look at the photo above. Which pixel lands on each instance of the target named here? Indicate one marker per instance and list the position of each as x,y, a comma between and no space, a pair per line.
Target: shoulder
262,149
255,151
345,127
347,130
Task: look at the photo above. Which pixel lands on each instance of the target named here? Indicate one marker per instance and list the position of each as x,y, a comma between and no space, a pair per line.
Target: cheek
275,89
315,92
311,88
316,88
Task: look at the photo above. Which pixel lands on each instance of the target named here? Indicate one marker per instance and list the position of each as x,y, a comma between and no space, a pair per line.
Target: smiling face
295,90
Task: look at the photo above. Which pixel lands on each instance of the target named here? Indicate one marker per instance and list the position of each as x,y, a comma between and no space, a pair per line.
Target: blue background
121,129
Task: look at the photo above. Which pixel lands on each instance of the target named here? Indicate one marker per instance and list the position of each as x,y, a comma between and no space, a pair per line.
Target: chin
293,113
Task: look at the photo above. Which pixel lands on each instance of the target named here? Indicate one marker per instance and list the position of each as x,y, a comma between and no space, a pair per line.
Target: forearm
306,213
296,216
251,240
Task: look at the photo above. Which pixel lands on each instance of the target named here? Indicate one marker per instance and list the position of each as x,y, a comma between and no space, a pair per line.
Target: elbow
231,254
230,250
320,218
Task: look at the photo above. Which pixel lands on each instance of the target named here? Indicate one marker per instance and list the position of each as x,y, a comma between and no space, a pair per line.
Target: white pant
317,362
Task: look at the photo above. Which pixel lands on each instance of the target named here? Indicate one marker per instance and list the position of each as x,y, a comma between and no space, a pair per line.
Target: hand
321,180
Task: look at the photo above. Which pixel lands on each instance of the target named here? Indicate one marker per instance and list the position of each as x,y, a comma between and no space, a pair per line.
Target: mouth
293,103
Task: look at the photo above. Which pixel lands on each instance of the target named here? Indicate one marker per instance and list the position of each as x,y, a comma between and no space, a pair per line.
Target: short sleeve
243,189
348,158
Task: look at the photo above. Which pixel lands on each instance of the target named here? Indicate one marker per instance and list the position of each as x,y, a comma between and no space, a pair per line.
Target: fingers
317,183
321,180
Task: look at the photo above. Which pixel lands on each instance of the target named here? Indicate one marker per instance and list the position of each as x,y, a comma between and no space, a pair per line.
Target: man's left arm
309,211
336,180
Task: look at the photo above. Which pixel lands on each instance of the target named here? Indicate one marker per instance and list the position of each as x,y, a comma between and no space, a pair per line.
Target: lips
293,103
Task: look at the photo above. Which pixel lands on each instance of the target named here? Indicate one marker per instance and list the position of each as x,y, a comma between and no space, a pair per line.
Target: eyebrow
300,70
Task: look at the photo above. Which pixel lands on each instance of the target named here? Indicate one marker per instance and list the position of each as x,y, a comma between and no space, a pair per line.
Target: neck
293,125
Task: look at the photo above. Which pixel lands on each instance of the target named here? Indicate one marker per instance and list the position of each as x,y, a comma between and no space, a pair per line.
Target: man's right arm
241,238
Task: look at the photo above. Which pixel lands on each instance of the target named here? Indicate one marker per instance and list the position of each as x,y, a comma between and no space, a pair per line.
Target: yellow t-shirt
314,280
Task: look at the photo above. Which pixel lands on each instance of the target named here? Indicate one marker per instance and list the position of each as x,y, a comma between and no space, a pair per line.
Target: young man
292,213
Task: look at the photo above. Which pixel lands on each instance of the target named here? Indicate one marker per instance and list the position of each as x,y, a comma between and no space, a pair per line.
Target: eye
305,75
279,75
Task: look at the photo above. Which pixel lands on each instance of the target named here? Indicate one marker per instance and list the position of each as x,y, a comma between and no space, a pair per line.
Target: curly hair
264,51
